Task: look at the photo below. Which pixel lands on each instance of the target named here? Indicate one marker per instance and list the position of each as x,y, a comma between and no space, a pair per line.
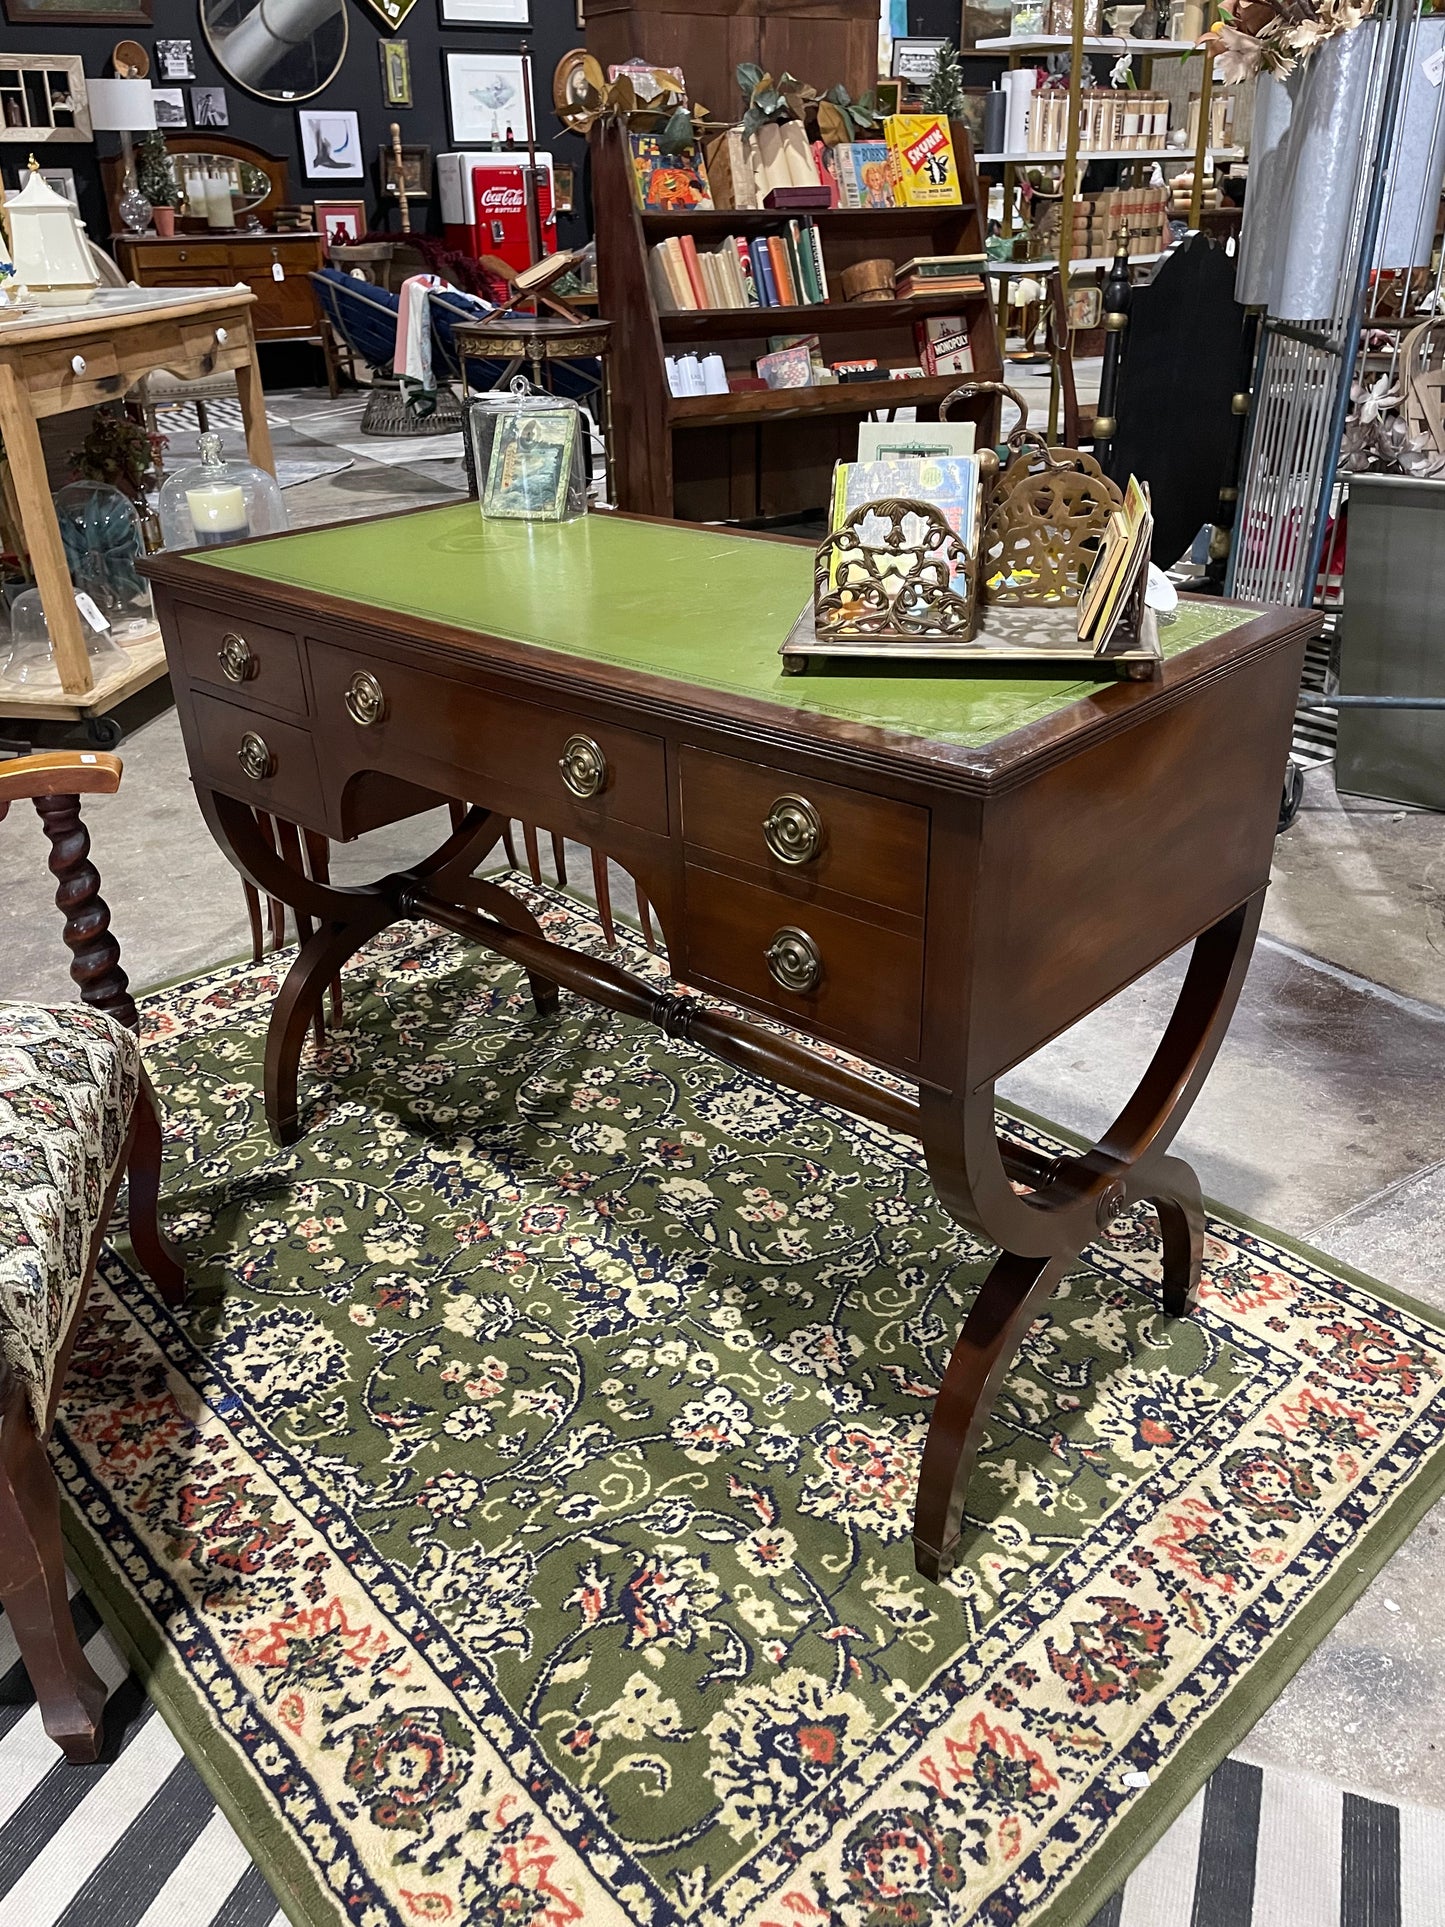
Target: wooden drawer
867,846
268,660
221,277
184,254
290,786
519,745
869,991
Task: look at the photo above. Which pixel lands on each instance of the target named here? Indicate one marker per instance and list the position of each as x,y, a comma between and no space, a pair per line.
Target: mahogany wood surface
966,904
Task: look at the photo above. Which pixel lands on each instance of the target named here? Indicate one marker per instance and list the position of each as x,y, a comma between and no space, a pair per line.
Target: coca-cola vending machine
484,205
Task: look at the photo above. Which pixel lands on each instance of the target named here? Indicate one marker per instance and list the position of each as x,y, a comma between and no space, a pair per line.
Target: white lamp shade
121,106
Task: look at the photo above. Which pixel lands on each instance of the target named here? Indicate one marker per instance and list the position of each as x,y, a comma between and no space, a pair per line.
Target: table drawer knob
77,362
583,766
255,757
236,657
793,830
793,960
365,699
222,336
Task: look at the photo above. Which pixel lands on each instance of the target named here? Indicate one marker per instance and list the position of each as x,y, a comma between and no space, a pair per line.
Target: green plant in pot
156,178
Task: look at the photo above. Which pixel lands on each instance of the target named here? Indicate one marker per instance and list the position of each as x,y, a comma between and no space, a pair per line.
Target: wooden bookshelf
752,453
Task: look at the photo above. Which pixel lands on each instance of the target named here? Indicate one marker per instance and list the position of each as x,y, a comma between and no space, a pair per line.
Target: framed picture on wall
89,13
175,60
330,144
485,13
487,97
60,180
209,107
395,72
170,105
341,224
415,168
915,59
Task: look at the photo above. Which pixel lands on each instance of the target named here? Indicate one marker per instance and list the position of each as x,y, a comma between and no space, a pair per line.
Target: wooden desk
54,359
935,873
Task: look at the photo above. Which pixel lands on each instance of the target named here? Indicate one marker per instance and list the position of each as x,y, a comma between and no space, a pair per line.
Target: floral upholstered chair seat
68,1080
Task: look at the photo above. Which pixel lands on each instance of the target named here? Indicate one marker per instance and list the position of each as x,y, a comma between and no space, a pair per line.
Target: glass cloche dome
216,501
30,663
103,542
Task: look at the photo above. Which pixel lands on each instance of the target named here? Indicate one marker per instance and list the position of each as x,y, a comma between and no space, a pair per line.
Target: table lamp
48,245
125,107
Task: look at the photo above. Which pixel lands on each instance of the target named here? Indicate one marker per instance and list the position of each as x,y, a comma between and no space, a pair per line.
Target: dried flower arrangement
1274,36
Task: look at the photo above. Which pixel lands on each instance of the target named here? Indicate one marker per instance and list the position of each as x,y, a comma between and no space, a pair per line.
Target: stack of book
1110,118
783,270
1122,557
1098,219
940,274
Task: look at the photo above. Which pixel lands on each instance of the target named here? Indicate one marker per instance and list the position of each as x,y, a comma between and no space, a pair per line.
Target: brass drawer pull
255,756
583,766
793,830
365,699
236,657
793,960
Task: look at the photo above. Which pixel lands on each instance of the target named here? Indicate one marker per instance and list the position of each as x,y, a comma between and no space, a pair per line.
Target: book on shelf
925,169
948,483
865,176
900,441
1118,563
668,183
787,367
943,267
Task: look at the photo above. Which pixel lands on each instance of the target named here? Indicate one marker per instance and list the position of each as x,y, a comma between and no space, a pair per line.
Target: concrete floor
1323,1116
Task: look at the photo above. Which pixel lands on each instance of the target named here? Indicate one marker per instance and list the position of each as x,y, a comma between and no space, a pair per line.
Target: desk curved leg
1043,1229
345,919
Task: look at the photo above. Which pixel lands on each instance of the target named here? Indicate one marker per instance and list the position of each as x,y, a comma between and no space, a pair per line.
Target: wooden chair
76,1115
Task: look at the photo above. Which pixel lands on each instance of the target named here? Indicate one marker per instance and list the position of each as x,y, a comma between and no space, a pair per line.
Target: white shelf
1055,43
1053,155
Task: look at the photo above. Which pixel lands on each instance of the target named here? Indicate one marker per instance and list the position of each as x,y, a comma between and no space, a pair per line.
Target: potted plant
157,181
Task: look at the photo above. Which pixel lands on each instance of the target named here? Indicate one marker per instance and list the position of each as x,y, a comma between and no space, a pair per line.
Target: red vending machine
484,205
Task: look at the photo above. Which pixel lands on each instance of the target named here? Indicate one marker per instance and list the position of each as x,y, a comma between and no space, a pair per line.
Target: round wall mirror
279,49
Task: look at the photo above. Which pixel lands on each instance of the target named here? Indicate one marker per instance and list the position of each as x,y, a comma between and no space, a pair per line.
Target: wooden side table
54,359
538,340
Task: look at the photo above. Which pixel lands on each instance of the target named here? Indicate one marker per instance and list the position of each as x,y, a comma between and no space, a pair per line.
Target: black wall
358,85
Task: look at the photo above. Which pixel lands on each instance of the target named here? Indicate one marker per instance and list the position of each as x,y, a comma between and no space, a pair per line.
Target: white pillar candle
218,513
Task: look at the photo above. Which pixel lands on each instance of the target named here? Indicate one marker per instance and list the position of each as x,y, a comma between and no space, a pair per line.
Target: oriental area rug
514,1526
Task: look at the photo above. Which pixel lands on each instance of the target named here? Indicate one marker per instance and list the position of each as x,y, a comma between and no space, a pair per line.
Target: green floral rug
515,1524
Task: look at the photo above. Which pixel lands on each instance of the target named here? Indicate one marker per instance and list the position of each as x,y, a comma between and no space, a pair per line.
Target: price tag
278,273
1434,68
92,615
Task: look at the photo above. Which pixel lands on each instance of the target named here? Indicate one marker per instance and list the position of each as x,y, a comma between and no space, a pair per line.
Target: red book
694,270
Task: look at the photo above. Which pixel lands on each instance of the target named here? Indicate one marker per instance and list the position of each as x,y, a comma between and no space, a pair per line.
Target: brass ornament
897,584
255,757
1048,514
793,830
793,961
583,766
365,699
237,660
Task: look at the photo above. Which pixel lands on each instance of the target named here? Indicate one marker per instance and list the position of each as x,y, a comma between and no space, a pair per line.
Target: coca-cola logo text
503,199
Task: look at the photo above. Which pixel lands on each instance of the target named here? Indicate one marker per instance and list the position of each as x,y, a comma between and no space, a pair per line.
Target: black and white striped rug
137,1841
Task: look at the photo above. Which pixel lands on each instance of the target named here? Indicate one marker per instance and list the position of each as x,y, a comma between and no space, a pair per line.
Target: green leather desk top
694,605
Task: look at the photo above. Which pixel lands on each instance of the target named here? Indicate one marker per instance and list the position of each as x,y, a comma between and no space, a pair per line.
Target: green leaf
748,76
678,133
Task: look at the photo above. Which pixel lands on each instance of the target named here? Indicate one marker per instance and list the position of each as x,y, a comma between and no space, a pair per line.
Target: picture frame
330,144
60,180
175,60
94,13
340,223
485,13
915,57
416,171
487,93
888,95
391,13
209,107
170,106
530,469
395,72
564,187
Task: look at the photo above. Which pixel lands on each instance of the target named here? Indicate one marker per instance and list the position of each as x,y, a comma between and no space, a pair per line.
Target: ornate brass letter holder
893,583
